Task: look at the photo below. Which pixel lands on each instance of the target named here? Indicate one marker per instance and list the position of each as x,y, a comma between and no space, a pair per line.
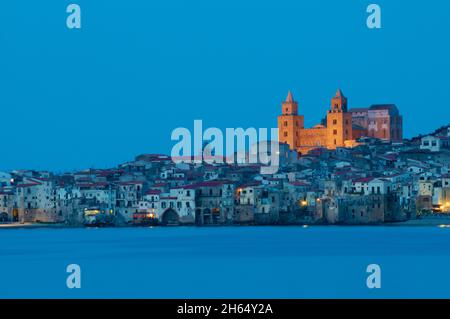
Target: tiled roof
363,180
153,192
299,184
214,183
28,184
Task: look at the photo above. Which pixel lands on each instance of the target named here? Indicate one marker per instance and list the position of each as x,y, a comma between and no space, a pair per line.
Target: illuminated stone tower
339,122
289,123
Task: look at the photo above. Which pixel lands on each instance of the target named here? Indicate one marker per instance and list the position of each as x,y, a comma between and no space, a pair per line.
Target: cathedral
341,126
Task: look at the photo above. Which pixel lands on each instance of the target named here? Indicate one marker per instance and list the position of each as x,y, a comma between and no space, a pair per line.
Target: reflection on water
239,262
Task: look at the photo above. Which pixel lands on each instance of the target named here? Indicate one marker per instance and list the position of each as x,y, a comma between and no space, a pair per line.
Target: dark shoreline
422,222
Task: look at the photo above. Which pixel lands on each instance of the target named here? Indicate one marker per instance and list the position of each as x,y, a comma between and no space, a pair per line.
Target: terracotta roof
298,184
131,183
289,97
252,184
390,157
153,192
214,183
41,179
363,180
159,184
28,184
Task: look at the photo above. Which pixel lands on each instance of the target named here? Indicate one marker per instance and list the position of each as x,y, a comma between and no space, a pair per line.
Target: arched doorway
3,217
207,218
170,217
198,216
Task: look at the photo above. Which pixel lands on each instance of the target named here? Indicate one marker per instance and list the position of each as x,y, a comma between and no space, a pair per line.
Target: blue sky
98,96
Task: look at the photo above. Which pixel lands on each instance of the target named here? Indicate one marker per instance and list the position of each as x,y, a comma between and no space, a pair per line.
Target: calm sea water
226,262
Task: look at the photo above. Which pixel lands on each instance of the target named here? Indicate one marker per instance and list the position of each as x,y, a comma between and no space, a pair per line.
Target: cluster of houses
374,182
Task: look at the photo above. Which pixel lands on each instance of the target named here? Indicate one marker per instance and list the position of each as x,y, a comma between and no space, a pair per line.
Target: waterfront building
35,201
6,206
214,202
352,170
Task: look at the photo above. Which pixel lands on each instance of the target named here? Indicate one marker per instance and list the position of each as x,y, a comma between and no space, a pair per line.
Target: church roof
392,108
289,97
339,93
358,109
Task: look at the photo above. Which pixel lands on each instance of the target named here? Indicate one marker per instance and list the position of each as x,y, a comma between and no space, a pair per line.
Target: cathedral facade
341,126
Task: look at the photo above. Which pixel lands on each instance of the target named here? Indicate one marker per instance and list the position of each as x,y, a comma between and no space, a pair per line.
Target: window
334,122
335,132
285,134
285,123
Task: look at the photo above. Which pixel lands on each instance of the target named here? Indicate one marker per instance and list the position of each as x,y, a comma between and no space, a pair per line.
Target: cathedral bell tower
339,102
339,122
289,123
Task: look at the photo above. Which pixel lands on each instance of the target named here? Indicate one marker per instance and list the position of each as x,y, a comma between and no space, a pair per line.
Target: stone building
382,121
362,209
35,201
341,126
6,206
259,203
214,202
335,132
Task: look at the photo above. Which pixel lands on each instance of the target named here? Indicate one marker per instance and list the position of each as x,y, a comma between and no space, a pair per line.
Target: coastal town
354,167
